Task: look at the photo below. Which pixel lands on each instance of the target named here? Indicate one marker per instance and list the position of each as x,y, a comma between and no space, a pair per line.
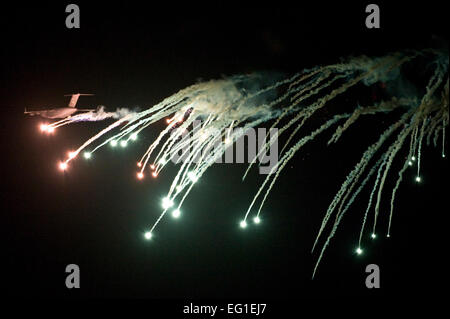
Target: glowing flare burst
250,100
167,203
193,177
46,128
148,235
72,154
176,213
43,127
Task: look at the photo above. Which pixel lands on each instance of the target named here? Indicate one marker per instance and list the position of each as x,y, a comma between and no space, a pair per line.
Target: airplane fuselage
61,112
58,113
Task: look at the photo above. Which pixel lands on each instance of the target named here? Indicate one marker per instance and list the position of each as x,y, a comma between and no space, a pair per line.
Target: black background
136,54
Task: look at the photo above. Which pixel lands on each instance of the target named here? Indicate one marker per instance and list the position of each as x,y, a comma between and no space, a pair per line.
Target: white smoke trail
247,101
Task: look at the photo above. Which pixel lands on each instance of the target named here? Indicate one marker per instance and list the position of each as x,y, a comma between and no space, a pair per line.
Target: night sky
131,55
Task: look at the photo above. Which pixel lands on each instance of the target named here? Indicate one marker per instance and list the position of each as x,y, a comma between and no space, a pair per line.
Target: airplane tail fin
74,98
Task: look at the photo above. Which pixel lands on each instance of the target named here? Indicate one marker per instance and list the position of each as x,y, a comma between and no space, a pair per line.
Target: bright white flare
176,213
243,224
44,127
148,235
167,203
359,251
192,177
257,220
72,155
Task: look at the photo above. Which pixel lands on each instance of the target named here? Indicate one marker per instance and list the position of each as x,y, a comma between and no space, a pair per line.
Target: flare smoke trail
250,100
99,115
